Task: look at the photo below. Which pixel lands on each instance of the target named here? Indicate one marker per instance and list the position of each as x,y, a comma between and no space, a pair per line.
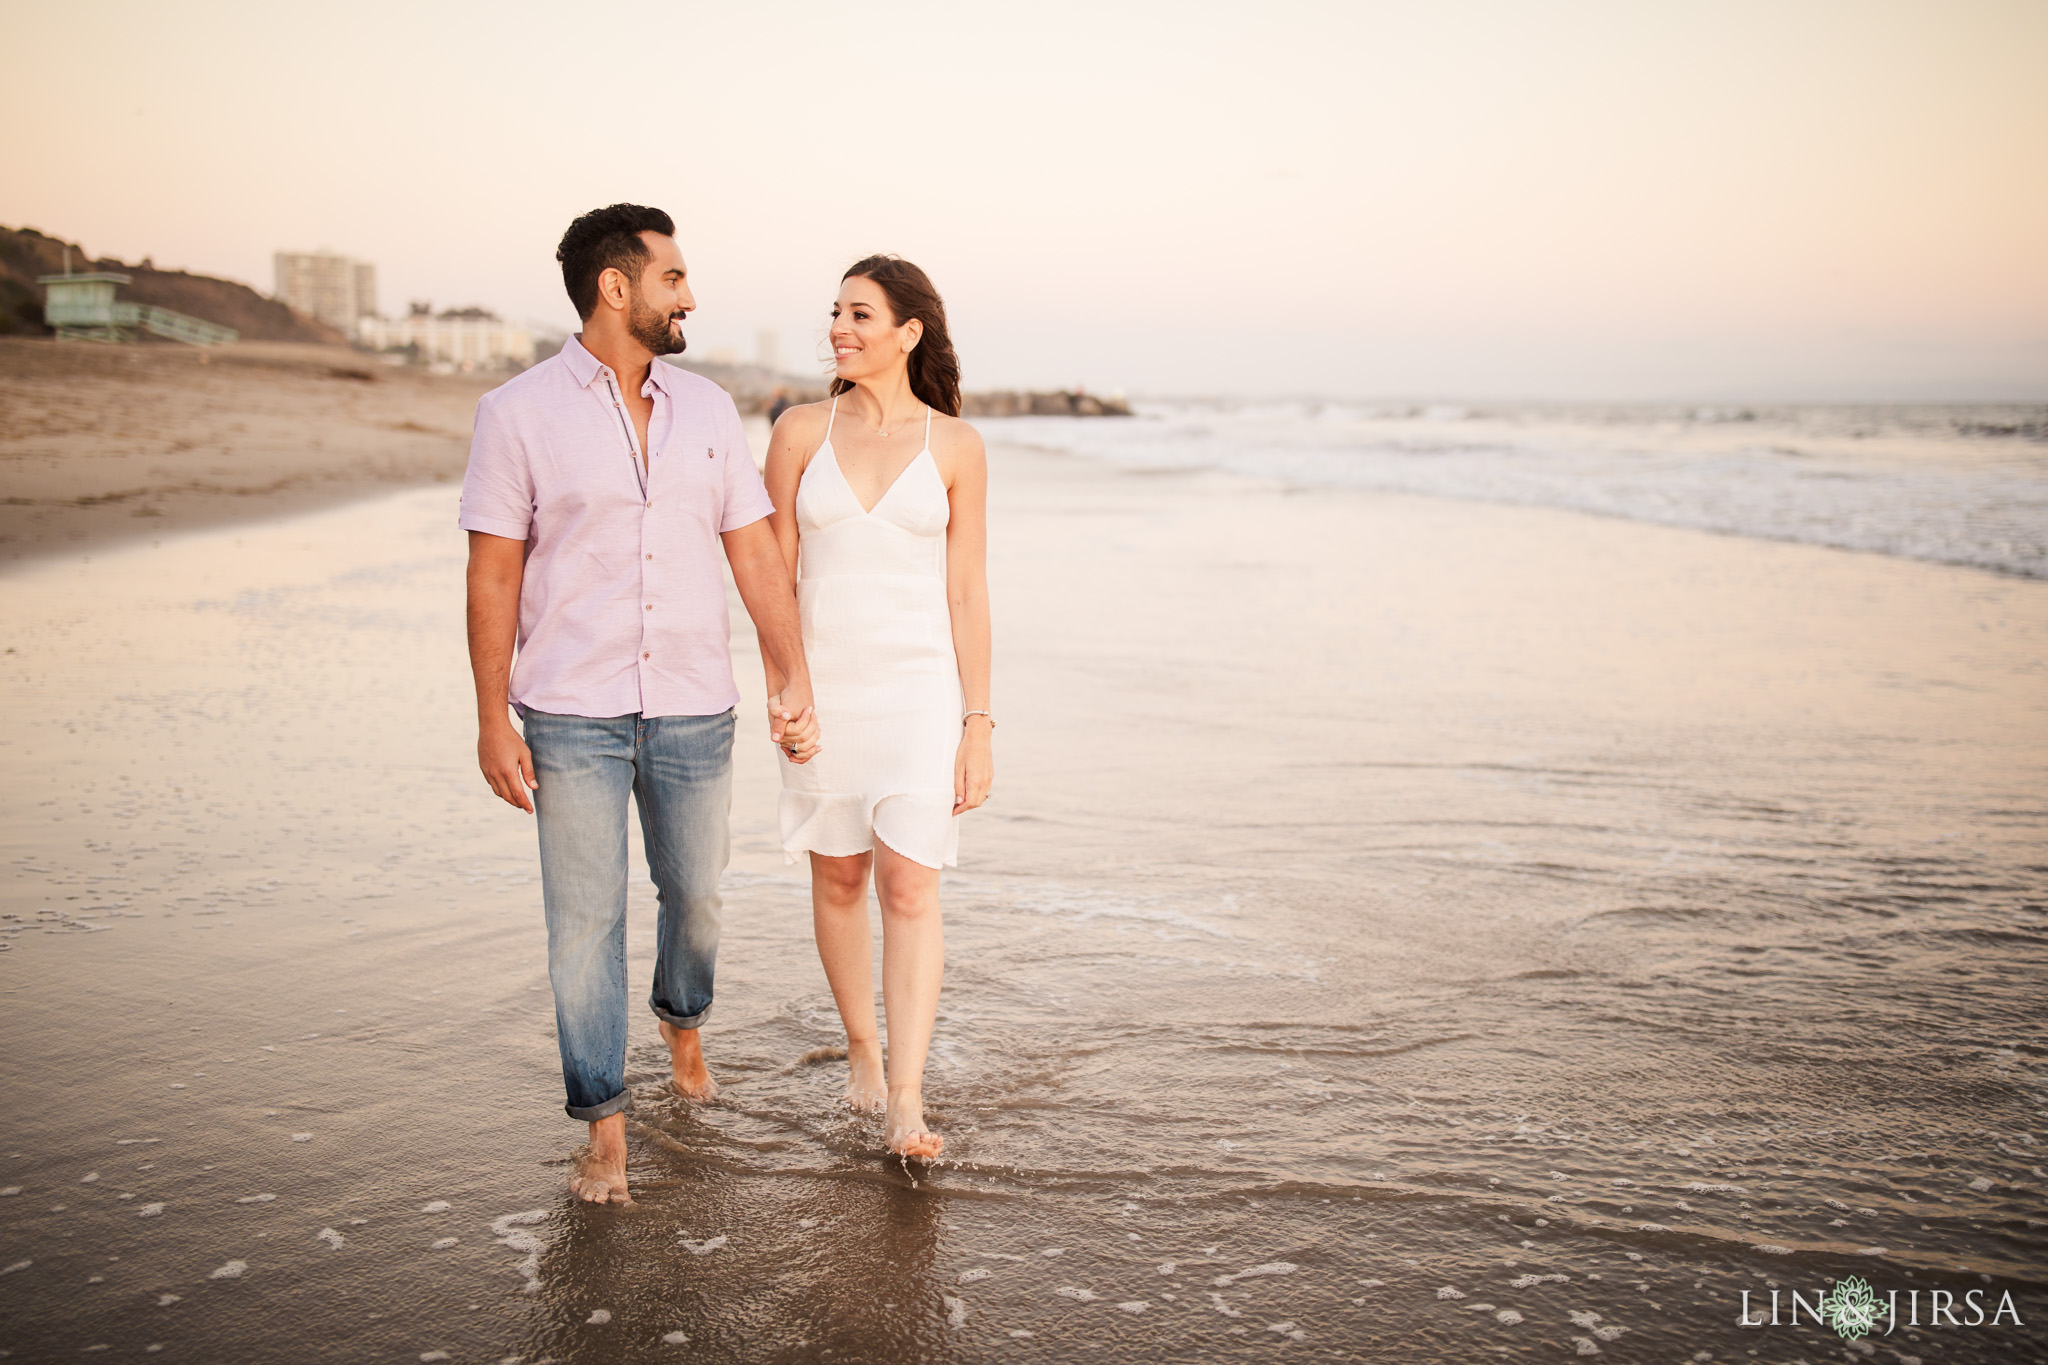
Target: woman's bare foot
597,1171
866,1090
906,1135
692,1079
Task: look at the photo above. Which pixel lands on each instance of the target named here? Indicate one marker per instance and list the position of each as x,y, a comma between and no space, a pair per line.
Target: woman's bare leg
839,917
913,963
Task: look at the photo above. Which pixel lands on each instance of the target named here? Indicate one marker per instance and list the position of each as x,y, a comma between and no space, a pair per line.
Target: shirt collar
586,367
663,374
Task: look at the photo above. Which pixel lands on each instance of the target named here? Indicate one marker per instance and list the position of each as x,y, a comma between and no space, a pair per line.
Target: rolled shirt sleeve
497,486
746,497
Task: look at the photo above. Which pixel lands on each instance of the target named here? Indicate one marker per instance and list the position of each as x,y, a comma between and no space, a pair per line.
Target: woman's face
866,340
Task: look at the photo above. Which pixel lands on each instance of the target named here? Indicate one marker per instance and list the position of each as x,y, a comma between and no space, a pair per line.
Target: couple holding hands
602,488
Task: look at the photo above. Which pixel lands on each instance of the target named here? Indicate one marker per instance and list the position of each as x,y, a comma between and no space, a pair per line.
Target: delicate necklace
884,431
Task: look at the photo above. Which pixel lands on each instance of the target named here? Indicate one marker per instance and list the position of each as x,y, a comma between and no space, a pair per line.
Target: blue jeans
679,769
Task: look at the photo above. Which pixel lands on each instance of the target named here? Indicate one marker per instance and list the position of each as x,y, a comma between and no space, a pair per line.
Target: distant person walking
880,497
779,404
601,489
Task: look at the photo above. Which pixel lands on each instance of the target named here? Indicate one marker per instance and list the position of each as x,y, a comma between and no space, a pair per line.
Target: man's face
656,308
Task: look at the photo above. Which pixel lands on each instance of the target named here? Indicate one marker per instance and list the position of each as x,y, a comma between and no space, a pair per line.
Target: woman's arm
798,434
966,472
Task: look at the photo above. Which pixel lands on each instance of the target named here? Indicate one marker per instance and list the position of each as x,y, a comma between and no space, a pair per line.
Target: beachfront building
334,289
467,338
82,307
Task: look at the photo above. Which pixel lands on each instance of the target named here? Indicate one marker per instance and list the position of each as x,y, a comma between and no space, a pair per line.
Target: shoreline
102,446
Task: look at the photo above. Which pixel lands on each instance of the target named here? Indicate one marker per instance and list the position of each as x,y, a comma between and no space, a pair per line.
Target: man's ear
612,287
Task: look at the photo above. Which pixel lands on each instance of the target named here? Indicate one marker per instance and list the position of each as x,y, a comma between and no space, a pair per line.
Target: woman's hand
974,767
797,735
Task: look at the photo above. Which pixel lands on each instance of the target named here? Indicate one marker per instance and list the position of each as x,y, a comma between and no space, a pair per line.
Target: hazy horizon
1479,202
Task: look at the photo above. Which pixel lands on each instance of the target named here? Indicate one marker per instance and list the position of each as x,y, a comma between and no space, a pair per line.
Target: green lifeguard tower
82,307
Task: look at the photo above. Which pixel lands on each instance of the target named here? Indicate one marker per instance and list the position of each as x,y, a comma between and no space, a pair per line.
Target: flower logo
1851,1308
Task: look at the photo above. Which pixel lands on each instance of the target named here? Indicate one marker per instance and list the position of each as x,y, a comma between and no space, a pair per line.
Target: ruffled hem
920,826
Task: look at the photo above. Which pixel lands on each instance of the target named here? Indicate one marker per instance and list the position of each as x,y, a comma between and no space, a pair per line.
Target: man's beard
650,327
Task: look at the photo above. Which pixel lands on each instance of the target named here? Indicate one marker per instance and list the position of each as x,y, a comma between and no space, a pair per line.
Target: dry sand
1581,917
100,444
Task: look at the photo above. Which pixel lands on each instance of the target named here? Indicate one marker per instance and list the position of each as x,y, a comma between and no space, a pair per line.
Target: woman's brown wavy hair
934,369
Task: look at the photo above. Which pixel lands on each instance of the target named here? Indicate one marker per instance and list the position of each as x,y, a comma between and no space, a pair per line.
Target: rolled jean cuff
680,1020
591,1114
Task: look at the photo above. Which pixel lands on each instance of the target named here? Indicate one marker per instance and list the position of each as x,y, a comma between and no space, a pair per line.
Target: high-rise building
366,290
334,289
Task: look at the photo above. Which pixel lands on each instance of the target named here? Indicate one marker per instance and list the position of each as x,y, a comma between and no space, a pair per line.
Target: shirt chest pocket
692,486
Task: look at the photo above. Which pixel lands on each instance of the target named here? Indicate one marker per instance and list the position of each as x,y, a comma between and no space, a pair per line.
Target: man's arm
497,567
761,573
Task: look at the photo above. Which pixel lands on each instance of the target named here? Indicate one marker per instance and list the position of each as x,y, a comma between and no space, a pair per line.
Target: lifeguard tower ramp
82,307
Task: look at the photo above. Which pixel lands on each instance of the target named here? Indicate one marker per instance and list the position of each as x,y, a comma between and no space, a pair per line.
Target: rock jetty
1059,403
753,389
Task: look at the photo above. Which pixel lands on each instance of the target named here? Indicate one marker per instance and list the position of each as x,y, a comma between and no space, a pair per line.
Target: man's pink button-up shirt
623,605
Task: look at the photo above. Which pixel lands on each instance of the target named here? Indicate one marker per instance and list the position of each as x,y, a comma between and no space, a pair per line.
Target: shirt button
650,556
650,606
646,656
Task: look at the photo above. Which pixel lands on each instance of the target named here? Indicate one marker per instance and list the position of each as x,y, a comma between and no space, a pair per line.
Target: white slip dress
878,634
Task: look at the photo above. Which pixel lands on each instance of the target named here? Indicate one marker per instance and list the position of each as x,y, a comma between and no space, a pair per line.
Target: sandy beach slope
1402,928
100,444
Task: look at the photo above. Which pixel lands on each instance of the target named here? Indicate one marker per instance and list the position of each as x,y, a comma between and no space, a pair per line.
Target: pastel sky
1462,198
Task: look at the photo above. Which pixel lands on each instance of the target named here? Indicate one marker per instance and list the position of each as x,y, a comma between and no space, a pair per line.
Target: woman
880,495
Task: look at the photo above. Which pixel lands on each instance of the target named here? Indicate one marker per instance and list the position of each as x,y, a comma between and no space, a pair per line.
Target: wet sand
1402,929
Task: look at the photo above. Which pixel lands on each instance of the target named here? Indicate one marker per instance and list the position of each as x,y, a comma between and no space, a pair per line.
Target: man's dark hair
607,239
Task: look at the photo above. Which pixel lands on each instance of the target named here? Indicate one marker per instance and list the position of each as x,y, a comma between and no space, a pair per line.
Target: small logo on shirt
709,453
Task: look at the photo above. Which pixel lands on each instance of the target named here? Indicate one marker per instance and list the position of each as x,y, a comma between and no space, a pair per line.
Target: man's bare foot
692,1079
866,1090
906,1134
597,1171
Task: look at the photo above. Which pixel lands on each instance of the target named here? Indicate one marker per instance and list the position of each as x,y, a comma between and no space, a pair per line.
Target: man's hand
764,571
507,764
793,722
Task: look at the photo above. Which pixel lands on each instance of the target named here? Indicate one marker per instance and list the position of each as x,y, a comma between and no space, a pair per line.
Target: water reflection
742,1265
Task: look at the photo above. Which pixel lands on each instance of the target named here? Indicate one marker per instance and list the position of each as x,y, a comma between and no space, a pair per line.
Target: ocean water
1404,928
1951,484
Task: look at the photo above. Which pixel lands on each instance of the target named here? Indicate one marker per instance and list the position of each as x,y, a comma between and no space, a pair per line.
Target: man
600,487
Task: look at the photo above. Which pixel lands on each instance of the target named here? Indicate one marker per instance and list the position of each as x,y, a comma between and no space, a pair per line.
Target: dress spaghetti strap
830,416
927,426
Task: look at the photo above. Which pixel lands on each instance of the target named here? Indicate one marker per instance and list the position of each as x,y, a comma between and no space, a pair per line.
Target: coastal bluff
26,255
